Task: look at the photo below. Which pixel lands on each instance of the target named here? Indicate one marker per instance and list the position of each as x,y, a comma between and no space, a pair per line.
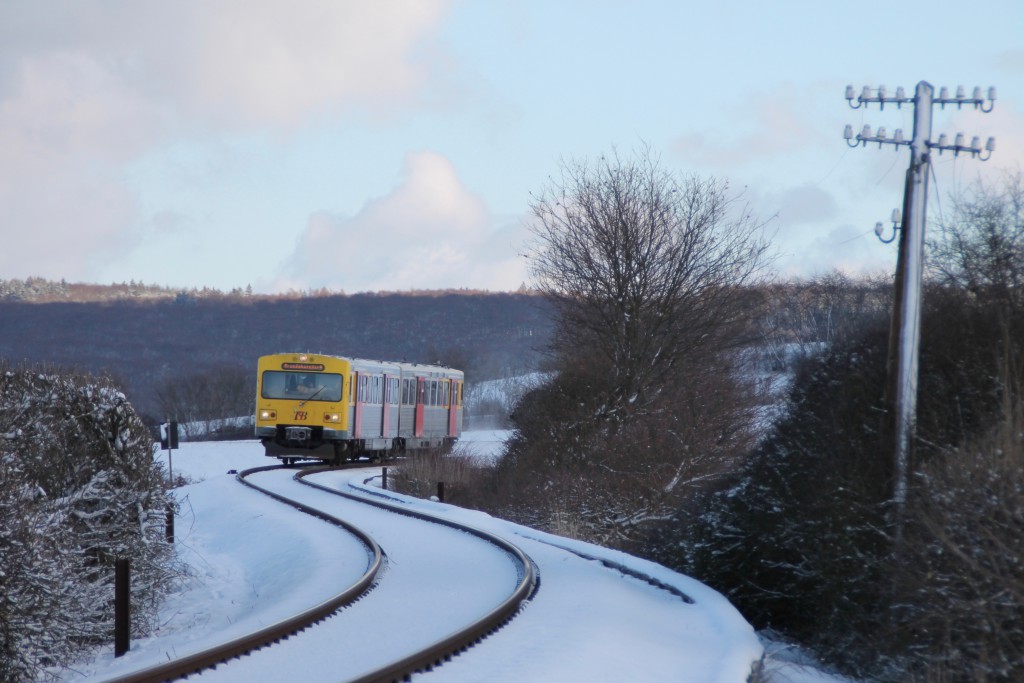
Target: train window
302,386
433,393
446,391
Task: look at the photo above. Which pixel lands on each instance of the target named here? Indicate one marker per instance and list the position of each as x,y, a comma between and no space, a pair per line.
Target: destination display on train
313,367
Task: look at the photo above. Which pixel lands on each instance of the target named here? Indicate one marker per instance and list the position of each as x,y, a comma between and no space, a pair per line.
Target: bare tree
647,273
204,401
644,268
979,248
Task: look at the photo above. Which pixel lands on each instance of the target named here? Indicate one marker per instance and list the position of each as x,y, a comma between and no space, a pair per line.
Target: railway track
424,658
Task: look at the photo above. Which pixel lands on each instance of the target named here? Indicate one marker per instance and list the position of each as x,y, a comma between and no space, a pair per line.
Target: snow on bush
79,488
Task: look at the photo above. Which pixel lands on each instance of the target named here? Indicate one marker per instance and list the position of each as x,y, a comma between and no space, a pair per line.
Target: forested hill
147,342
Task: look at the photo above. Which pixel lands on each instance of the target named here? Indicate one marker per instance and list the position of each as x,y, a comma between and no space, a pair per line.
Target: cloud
845,248
429,232
65,126
279,64
88,87
804,204
237,62
781,125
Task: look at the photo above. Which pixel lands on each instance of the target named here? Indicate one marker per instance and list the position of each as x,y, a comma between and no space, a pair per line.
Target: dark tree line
148,345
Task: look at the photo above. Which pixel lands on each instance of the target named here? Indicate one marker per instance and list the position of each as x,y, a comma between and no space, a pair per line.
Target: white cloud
804,204
429,232
846,248
88,87
780,125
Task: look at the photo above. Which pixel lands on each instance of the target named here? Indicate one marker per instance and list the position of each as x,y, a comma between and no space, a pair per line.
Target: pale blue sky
394,145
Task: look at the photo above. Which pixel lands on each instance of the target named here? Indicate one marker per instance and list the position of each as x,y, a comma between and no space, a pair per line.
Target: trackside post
168,442
170,523
122,607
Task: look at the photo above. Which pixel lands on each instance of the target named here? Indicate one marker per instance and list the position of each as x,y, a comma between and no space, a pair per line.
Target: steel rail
441,650
189,664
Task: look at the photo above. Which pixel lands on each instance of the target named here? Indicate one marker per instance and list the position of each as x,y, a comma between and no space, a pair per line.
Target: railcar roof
404,366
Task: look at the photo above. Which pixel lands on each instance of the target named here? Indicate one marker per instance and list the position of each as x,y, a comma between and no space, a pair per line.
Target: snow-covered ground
587,621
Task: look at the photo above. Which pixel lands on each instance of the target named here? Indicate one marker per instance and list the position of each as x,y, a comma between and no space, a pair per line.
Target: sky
396,145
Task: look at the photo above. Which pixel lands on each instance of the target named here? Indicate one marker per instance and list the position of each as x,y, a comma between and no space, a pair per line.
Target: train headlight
332,417
268,414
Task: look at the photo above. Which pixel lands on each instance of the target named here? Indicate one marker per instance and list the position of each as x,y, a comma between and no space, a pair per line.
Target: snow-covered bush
79,488
963,561
807,540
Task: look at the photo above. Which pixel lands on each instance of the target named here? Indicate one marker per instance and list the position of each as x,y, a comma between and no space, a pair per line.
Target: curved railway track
423,659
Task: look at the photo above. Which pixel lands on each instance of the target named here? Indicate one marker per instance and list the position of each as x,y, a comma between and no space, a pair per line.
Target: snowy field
587,622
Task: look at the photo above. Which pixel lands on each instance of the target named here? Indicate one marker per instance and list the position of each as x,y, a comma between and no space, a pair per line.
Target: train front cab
302,408
332,408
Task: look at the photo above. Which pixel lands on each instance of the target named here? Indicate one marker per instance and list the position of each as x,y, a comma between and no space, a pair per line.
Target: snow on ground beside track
574,633
486,445
236,586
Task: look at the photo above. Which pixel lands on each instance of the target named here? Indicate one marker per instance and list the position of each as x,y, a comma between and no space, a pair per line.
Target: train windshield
302,386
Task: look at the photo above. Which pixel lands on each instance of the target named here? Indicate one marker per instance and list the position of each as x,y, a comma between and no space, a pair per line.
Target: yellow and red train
313,406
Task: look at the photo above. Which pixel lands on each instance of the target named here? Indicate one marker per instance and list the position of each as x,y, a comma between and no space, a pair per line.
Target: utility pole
905,333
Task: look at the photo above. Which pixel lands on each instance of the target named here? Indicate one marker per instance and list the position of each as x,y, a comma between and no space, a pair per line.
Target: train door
385,420
453,408
420,400
359,382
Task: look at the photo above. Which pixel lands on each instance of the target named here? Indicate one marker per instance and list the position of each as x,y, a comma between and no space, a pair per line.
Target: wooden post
122,607
384,478
170,523
440,491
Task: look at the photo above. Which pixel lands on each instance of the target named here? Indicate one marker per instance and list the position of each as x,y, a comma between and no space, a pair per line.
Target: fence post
384,478
170,523
122,607
440,491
